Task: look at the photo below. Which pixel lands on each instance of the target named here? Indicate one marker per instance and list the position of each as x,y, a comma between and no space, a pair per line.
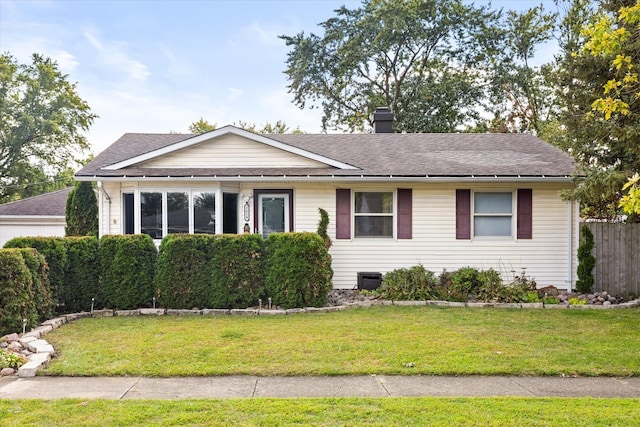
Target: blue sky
157,66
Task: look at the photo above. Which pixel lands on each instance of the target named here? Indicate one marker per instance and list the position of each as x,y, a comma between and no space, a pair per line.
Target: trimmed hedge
17,300
82,274
127,267
55,252
39,270
183,271
221,271
298,270
237,271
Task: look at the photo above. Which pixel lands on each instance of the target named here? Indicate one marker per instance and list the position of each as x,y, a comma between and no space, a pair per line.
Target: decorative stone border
43,351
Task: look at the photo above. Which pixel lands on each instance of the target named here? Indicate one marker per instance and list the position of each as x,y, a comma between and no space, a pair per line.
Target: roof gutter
330,178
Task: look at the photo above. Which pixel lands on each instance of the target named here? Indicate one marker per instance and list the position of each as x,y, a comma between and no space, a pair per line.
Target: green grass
326,412
380,340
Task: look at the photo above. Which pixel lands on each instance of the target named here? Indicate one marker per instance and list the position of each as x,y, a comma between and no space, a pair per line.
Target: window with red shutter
463,214
405,216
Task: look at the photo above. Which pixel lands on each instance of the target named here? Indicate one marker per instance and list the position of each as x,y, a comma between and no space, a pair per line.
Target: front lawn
377,340
325,412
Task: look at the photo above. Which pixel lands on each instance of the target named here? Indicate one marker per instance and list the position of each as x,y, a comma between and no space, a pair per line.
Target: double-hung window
493,214
373,214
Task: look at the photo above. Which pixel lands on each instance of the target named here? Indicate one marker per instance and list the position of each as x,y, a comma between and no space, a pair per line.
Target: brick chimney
382,120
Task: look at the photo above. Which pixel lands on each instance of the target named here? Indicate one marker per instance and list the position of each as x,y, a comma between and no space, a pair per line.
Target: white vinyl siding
232,151
433,243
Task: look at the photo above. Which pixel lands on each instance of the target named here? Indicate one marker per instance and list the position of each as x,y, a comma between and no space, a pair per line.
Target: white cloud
234,94
66,60
113,54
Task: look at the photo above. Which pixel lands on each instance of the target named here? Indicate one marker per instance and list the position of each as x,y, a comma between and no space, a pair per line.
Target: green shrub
127,266
322,227
298,270
16,293
491,288
237,273
409,284
461,284
39,270
55,252
82,274
183,271
586,261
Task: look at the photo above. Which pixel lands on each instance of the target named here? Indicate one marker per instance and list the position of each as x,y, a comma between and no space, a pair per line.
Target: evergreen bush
586,261
127,267
81,211
323,224
82,274
183,271
16,293
54,250
298,270
237,273
39,270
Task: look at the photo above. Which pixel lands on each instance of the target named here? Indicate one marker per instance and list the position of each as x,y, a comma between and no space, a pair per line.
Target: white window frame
393,213
165,214
512,215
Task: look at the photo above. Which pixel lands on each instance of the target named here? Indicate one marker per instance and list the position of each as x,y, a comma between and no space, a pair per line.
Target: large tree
522,93
422,58
202,126
603,140
42,121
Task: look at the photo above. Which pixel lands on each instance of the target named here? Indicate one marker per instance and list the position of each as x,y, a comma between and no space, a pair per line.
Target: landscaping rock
5,372
10,338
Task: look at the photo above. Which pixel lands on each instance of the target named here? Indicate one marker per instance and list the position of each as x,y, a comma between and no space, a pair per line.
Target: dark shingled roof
48,204
382,154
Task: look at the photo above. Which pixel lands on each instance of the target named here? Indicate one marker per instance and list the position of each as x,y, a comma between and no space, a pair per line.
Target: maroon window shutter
343,213
463,214
404,213
525,217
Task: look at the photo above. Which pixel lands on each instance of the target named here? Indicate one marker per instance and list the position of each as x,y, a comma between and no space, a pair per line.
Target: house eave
334,178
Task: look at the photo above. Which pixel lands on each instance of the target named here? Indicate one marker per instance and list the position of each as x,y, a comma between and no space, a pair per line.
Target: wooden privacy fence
617,252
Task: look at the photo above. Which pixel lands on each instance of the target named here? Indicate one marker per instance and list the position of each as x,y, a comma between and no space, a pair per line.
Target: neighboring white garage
41,215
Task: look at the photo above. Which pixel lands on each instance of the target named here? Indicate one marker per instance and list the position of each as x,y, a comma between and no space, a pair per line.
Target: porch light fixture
247,211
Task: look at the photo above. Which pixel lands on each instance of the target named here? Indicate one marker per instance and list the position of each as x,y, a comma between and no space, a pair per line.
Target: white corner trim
227,130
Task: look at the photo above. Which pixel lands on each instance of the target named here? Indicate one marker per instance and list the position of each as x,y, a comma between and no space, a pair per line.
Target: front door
273,213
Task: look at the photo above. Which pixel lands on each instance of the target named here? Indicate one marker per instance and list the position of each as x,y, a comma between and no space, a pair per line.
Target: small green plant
549,299
532,297
11,359
577,301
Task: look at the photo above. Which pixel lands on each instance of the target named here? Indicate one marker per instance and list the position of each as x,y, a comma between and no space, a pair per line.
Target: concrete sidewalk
340,386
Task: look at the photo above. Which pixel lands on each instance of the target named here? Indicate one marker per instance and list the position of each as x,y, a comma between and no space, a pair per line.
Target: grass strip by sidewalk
377,340
325,412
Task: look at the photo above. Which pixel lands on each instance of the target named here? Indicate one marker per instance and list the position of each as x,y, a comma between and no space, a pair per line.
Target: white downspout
101,230
570,227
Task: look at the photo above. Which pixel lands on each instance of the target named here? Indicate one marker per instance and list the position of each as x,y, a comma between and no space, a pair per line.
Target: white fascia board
332,178
226,130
